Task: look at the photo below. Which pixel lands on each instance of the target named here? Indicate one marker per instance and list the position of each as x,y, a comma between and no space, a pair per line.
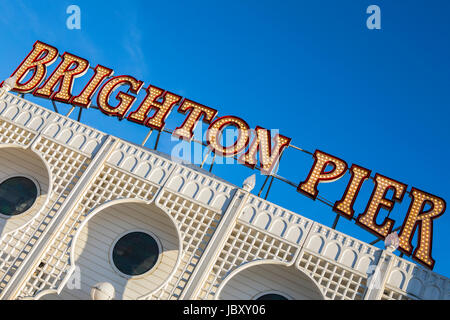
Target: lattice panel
12,134
275,219
337,283
66,167
197,225
415,281
245,244
390,294
110,184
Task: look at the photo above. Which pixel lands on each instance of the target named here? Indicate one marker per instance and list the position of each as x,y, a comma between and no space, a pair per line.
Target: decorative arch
153,207
316,292
23,220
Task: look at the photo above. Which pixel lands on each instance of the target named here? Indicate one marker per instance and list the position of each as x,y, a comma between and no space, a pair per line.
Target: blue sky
376,98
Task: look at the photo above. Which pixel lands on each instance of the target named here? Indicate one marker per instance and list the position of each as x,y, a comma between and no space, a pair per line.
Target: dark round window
272,296
135,253
17,195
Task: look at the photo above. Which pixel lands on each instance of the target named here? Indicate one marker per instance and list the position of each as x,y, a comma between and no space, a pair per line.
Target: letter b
233,309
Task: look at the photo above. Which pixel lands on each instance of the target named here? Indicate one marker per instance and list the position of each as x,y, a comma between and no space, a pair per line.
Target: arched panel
129,164
220,202
248,214
332,251
206,195
36,123
78,141
176,183
91,146
316,243
65,135
143,169
250,281
397,279
11,112
52,130
295,234
415,286
23,118
191,189
278,228
263,220
432,293
349,258
364,264
116,158
157,176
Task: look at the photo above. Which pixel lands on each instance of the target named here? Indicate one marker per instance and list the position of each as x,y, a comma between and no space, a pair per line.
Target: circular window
135,253
272,296
17,195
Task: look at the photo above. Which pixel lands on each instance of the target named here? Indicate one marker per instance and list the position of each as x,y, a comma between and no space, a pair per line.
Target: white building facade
212,240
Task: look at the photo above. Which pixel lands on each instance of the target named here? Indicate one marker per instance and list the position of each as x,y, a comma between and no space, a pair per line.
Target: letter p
319,173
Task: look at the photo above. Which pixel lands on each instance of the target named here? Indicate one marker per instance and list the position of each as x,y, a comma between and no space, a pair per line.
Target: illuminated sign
424,207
